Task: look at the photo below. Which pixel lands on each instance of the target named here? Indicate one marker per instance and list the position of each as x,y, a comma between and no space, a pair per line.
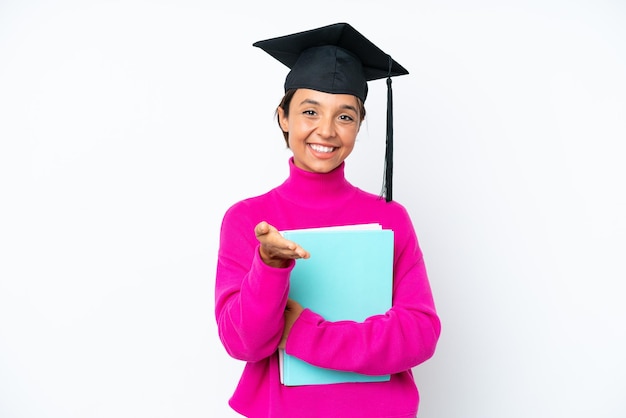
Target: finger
261,229
301,252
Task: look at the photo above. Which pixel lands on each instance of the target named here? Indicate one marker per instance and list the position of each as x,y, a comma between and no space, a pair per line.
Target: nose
326,127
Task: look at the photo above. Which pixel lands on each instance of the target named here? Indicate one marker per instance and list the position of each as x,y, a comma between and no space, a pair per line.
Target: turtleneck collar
316,189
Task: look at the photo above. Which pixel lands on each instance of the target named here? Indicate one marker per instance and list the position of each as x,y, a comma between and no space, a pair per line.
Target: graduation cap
337,59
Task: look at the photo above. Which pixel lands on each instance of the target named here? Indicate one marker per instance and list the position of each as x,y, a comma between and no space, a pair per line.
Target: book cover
348,277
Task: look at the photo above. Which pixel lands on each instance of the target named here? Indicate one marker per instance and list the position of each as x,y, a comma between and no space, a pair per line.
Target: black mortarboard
337,59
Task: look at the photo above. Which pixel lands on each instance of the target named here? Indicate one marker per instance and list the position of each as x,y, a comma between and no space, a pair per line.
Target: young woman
320,116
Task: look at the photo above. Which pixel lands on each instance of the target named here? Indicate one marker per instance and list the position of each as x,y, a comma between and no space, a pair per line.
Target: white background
128,127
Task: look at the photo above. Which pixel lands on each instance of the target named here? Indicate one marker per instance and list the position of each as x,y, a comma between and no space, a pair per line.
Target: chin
318,166
324,168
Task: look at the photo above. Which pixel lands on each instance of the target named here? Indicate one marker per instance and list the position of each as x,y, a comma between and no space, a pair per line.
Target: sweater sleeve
402,338
250,296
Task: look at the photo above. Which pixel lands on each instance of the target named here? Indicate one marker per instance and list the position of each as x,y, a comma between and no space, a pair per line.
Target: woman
320,116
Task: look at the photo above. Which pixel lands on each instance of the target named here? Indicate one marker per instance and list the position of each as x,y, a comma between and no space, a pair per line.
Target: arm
252,282
249,306
400,339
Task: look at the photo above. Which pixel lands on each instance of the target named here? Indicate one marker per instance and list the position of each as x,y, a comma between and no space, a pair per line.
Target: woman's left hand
292,313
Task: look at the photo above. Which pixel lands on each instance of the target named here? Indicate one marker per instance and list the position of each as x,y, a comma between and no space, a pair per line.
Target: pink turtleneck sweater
250,298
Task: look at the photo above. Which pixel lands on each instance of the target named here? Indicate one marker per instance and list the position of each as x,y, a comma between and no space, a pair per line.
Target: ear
283,121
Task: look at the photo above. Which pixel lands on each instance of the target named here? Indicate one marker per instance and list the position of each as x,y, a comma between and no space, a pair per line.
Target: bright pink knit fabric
250,298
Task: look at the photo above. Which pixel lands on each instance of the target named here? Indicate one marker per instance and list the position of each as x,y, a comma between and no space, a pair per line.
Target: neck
316,189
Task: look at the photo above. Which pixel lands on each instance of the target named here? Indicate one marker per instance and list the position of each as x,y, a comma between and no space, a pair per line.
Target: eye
346,118
309,112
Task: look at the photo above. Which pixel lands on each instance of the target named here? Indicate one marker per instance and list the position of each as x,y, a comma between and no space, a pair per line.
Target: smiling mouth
321,148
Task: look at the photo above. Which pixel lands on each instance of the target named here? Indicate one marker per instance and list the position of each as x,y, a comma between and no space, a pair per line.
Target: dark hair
286,100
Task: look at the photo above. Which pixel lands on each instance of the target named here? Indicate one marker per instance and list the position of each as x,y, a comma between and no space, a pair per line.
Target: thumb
262,228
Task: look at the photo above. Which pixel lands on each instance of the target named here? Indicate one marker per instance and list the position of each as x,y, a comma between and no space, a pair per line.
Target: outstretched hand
276,251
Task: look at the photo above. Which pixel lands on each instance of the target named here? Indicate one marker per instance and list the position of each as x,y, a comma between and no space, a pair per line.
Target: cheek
349,137
301,127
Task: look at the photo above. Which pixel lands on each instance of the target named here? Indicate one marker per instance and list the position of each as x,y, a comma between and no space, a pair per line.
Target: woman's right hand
275,250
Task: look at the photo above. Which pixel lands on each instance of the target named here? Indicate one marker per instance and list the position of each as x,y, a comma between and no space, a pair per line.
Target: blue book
349,276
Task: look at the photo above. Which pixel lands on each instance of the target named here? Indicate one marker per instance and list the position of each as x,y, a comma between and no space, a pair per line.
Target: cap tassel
387,183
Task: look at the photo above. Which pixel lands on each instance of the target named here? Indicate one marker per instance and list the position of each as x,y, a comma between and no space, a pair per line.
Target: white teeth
321,148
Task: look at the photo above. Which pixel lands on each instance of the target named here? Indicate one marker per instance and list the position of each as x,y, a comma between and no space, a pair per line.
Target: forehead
308,96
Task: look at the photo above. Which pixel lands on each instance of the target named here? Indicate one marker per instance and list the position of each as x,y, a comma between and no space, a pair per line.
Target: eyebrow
316,103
